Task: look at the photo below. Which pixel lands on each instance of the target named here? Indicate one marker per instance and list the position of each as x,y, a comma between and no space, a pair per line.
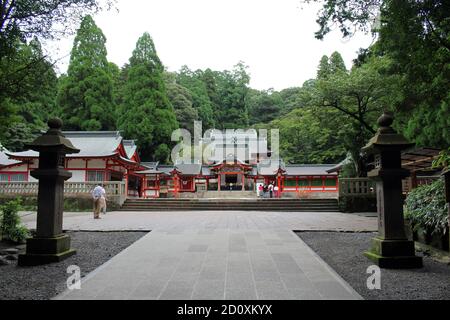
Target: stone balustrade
115,190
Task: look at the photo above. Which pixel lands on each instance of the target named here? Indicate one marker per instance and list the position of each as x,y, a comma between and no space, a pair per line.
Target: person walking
276,191
260,190
103,202
99,198
271,190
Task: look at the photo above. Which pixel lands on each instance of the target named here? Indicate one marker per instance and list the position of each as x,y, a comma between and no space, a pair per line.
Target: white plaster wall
97,164
78,176
76,164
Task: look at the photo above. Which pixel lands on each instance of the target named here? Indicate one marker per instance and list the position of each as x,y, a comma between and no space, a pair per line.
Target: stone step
230,200
230,208
233,209
314,205
228,204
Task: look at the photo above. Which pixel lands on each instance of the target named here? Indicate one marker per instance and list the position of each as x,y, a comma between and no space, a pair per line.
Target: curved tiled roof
90,143
309,169
4,159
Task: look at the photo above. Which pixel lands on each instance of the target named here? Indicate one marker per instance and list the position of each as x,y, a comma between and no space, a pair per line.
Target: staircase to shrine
287,205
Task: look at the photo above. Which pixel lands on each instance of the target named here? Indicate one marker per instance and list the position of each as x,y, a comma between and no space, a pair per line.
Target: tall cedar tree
27,79
146,113
86,94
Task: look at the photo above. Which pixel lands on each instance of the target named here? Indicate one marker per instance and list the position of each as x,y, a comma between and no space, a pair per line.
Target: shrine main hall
237,162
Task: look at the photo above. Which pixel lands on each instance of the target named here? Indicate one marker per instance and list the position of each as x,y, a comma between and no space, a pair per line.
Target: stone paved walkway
215,264
121,221
216,255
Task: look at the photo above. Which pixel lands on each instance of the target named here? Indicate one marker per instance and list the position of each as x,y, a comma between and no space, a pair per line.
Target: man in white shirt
271,190
99,197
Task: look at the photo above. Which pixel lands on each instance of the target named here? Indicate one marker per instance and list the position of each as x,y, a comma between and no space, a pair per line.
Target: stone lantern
391,248
50,244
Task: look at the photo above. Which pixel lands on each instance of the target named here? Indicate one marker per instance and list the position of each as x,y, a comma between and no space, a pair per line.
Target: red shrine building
106,156
225,171
229,176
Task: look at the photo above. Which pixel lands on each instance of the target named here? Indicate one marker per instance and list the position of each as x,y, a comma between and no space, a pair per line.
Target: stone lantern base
394,254
46,250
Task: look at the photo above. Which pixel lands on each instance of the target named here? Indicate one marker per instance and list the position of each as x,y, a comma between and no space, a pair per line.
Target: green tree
86,95
21,20
33,103
146,113
182,102
304,138
199,93
330,66
337,64
324,68
415,36
117,82
209,79
232,91
346,15
263,106
359,96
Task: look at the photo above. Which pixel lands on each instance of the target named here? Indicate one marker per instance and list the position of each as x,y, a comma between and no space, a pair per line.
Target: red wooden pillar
218,182
143,182
158,185
126,183
175,184
243,182
278,185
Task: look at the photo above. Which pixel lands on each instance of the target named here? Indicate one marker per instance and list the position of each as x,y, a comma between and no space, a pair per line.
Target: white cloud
274,38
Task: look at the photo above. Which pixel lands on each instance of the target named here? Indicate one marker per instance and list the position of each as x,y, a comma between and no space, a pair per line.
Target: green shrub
10,227
426,208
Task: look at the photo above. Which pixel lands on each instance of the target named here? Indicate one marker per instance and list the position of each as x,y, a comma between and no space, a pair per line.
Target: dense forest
323,120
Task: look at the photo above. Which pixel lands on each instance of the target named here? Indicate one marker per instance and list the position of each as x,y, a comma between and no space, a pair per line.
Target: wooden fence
363,187
356,187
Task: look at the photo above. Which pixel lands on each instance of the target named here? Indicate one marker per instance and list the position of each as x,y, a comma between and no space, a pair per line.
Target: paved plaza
215,255
199,220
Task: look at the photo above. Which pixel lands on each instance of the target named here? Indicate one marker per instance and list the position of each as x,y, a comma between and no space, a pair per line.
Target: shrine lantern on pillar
50,244
391,248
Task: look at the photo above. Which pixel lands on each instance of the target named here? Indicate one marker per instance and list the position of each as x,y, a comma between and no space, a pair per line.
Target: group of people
99,198
268,190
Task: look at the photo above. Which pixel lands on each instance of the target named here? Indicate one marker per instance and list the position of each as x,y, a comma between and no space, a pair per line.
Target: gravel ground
45,282
344,253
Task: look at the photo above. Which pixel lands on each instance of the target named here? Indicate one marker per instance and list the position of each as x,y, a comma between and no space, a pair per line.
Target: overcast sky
275,38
